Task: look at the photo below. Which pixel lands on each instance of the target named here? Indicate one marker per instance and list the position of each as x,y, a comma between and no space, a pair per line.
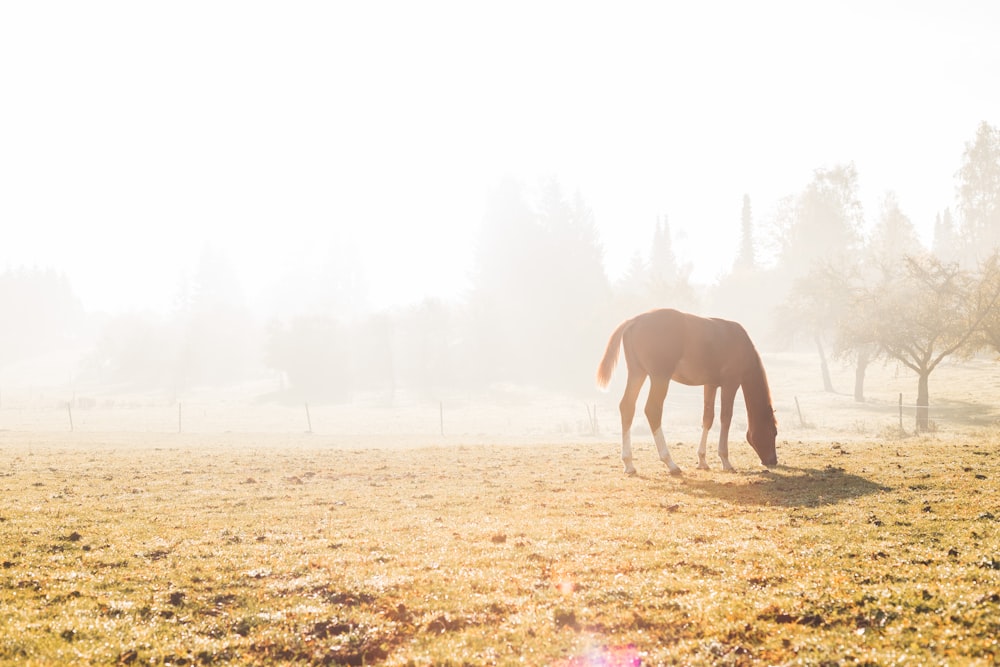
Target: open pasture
512,539
270,549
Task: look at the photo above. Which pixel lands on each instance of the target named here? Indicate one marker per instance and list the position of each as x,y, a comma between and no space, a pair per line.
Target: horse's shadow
782,486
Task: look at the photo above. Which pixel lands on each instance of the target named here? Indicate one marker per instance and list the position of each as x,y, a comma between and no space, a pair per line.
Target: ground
511,538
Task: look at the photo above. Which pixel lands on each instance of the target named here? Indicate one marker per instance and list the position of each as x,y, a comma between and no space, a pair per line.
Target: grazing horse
670,345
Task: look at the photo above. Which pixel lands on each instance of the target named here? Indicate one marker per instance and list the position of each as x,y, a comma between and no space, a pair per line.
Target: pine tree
746,259
662,260
894,236
669,283
946,244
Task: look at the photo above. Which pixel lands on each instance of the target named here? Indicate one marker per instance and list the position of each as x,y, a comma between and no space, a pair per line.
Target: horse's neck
757,394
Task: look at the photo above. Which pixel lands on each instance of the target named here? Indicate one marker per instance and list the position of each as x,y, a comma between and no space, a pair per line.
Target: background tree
893,237
747,293
218,339
314,353
539,304
920,315
507,262
988,287
815,302
820,230
573,293
828,293
654,280
824,225
946,243
425,348
669,279
978,194
631,291
43,313
134,351
746,256
373,365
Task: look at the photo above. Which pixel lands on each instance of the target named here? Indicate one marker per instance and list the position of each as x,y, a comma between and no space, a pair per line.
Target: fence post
69,409
309,420
798,408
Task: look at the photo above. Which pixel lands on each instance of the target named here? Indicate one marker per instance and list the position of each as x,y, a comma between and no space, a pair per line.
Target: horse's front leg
627,453
725,419
708,414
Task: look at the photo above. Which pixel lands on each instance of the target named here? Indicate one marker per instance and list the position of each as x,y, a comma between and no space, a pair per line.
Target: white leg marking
703,450
627,453
661,448
724,449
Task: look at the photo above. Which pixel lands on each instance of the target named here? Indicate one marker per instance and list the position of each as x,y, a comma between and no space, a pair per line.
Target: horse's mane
757,392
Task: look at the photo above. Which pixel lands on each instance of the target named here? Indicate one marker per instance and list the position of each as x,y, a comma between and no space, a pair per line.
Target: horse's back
690,349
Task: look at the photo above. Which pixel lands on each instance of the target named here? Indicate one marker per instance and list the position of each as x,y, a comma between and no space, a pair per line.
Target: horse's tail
610,360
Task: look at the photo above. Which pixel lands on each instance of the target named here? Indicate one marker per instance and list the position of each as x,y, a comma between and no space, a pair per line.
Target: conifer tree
746,259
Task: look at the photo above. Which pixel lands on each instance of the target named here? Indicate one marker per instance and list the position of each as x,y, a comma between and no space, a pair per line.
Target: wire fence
471,415
467,415
901,414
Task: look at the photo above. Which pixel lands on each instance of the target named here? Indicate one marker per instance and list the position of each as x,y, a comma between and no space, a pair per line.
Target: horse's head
761,437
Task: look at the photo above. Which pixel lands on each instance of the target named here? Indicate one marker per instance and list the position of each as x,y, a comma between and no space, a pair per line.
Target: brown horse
670,345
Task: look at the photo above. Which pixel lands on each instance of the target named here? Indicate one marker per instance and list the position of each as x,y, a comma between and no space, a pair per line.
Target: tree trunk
864,356
923,402
824,368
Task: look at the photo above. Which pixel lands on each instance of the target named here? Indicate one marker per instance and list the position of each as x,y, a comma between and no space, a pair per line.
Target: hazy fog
240,166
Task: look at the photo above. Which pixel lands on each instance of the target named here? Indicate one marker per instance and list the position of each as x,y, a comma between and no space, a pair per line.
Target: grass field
265,550
515,539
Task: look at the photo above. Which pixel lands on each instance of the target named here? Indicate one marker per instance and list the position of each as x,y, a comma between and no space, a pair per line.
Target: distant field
963,394
266,549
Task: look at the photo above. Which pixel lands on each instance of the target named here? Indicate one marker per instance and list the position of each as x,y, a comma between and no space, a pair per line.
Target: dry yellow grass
268,549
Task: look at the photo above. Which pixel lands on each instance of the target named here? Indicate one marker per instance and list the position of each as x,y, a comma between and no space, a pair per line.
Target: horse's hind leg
627,409
707,416
654,413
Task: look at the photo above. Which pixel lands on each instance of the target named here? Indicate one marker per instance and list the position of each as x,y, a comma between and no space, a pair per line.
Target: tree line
541,305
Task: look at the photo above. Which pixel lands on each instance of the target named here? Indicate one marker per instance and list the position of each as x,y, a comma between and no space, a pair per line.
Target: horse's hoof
676,471
630,471
703,466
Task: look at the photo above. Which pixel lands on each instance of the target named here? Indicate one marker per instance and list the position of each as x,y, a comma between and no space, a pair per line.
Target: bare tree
921,315
989,285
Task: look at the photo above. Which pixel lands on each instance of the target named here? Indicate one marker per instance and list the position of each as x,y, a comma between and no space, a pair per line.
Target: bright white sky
132,134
